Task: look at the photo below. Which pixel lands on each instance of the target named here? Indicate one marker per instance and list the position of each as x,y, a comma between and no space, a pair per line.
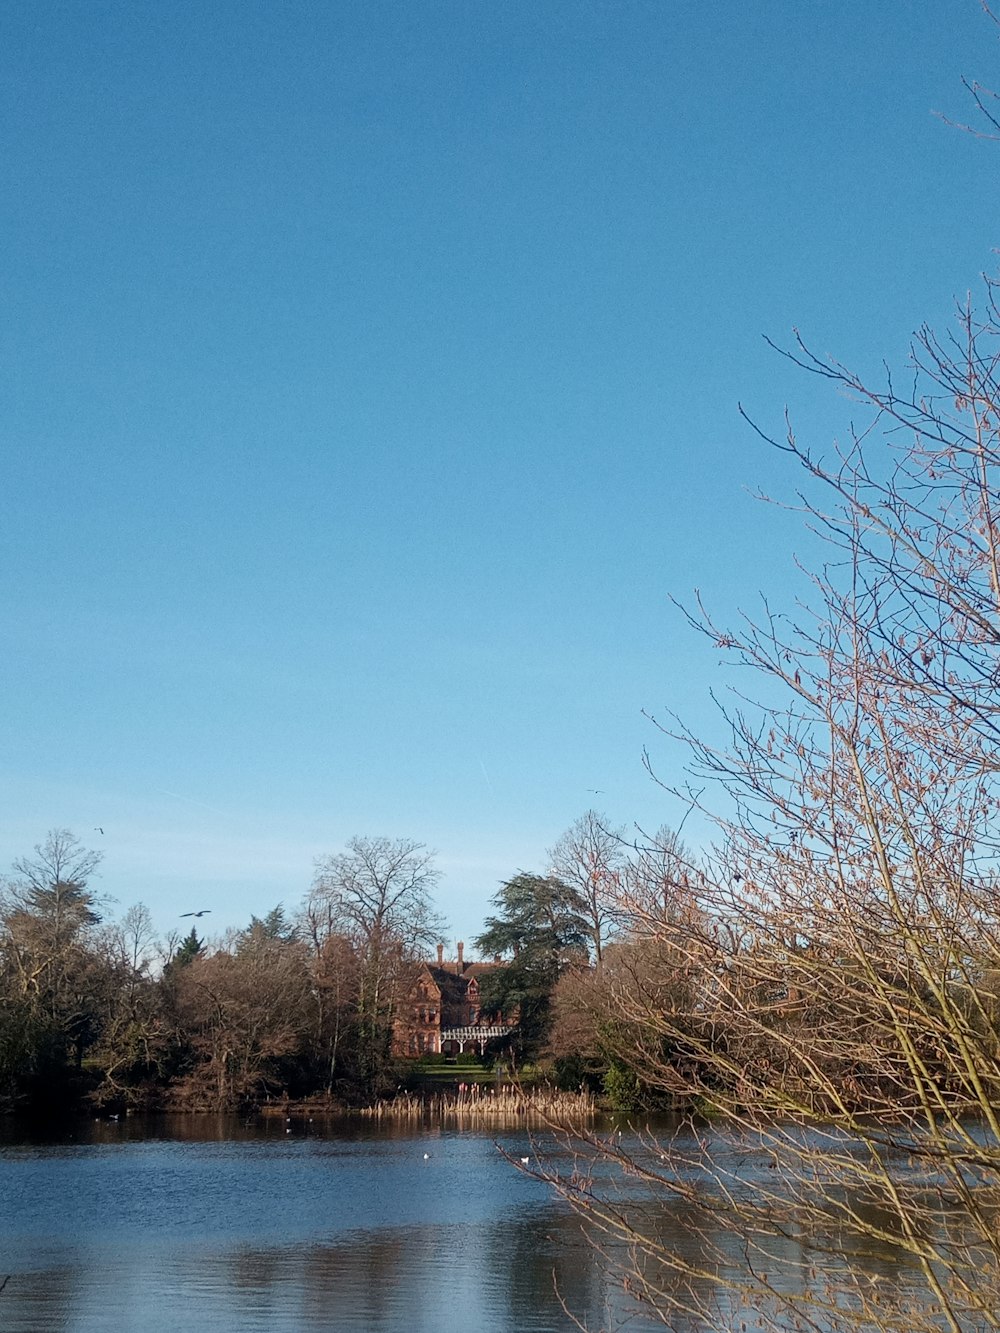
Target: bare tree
652,887
658,882
48,914
61,860
334,974
841,1016
377,896
245,1012
132,1036
590,858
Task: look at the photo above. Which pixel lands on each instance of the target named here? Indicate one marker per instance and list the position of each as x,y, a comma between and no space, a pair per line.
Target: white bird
427,1156
525,1161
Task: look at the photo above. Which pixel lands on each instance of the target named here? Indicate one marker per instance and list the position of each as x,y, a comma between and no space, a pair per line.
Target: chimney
440,955
461,950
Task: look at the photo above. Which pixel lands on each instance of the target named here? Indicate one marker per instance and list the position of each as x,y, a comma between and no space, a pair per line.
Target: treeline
784,974
296,1005
287,1006
748,979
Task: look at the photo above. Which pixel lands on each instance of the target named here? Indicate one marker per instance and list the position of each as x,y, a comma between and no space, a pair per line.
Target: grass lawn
447,1076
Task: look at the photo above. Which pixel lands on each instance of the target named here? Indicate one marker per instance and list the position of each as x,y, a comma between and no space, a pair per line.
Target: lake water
211,1224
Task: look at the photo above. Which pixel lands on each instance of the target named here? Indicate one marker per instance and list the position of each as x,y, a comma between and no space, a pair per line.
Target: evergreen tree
46,942
189,949
541,927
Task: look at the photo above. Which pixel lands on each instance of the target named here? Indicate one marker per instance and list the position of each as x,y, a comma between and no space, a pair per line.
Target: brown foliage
243,1011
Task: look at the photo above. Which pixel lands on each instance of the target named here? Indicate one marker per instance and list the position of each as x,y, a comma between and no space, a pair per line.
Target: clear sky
368,383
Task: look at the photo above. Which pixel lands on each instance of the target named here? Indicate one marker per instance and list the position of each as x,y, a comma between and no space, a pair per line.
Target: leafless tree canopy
832,994
380,890
590,857
376,897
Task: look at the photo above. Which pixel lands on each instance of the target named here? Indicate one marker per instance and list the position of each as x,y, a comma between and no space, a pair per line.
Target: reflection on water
217,1224
212,1224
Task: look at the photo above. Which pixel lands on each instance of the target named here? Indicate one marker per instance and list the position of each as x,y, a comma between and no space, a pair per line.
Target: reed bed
476,1105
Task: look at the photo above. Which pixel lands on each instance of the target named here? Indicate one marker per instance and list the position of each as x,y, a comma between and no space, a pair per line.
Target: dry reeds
474,1105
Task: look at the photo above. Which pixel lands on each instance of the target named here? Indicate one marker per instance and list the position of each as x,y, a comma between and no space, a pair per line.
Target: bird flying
205,911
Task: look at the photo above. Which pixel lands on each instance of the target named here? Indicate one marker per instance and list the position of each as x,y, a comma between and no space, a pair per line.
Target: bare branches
590,857
376,896
831,995
380,889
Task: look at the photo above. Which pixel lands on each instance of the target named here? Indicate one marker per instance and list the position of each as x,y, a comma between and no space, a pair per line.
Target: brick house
441,1013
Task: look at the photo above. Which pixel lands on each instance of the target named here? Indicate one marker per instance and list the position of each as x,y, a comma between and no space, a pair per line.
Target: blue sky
368,383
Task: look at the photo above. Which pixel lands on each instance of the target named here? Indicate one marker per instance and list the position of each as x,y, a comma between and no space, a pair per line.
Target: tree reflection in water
232,1227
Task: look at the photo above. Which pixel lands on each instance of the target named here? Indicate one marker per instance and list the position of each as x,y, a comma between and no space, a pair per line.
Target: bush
571,1073
622,1089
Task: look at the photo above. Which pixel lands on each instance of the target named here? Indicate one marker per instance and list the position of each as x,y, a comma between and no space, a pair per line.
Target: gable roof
451,985
481,969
